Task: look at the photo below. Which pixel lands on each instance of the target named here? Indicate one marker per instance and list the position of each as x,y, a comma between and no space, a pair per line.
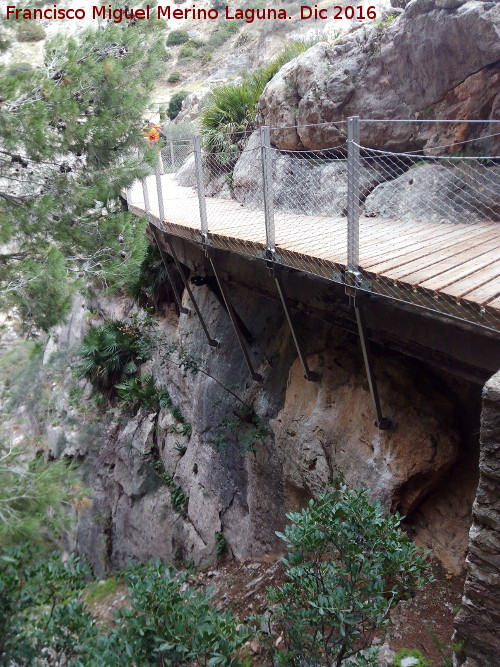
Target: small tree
177,37
348,564
175,104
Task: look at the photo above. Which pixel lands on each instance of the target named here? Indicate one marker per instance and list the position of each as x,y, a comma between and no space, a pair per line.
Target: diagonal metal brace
211,341
232,316
164,257
382,423
308,374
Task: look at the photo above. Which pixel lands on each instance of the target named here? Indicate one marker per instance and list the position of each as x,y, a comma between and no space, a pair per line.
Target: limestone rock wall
479,619
243,488
434,59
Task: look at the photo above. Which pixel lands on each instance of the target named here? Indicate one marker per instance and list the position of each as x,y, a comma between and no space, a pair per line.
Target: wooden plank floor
458,263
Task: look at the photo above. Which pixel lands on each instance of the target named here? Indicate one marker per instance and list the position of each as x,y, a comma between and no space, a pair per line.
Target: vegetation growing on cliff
229,110
70,137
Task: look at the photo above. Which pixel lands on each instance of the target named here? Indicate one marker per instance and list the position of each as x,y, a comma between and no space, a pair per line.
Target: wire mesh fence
418,225
429,234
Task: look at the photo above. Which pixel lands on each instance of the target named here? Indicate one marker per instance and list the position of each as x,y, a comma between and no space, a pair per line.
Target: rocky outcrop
436,60
306,183
327,428
160,492
461,192
479,619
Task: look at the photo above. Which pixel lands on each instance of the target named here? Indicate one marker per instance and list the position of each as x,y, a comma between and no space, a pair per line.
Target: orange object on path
152,132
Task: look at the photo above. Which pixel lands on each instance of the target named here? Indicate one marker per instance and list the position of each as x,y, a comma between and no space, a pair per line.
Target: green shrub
177,37
171,624
15,69
186,51
173,77
223,31
147,279
230,109
42,606
111,352
410,653
30,31
347,565
136,391
34,497
175,104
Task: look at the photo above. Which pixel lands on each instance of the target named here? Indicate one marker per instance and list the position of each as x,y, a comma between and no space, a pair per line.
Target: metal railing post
267,188
145,194
172,154
159,189
353,166
198,161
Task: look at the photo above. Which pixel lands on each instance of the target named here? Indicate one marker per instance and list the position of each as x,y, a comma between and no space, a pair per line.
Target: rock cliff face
436,59
478,621
242,486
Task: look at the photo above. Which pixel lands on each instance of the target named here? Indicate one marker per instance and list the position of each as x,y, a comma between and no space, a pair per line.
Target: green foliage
177,37
46,297
71,134
222,31
230,109
347,565
142,392
195,632
17,69
35,497
98,591
111,352
410,653
179,499
30,31
42,609
174,77
220,545
175,104
246,426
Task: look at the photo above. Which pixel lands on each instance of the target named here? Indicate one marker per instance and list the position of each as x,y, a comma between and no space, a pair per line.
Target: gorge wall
239,482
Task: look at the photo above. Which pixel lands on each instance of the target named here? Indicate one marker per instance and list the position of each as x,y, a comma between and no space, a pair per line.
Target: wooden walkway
452,268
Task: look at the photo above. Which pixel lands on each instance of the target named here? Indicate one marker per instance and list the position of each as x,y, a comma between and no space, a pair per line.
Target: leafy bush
137,391
41,609
195,631
177,37
15,69
30,31
223,31
34,497
175,104
111,352
147,278
43,613
186,51
348,564
173,77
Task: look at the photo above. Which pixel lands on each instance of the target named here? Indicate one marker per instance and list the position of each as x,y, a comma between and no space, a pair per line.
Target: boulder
433,192
307,183
412,67
186,175
328,427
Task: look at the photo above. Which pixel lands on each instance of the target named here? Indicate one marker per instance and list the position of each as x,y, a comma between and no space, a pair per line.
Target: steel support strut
232,316
164,257
211,341
383,423
308,374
